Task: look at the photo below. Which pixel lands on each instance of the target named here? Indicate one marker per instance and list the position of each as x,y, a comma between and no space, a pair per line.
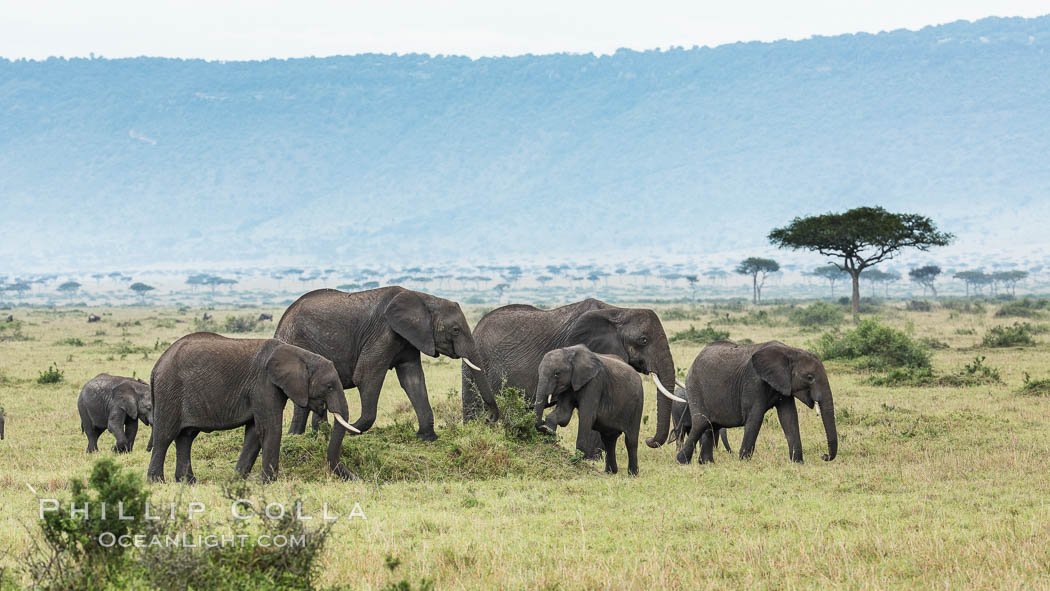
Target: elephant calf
683,421
731,385
206,382
607,392
116,404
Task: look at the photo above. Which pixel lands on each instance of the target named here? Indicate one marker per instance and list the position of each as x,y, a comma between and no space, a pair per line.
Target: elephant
93,318
369,332
116,404
731,385
206,382
607,392
512,341
264,318
2,416
683,421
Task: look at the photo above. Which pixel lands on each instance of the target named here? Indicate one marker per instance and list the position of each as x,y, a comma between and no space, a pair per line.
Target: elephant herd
584,357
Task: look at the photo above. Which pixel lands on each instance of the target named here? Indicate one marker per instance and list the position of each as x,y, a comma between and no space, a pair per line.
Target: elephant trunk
542,396
664,369
827,415
468,352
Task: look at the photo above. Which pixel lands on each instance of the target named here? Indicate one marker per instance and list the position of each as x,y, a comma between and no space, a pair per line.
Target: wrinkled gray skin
732,385
606,391
206,382
513,339
1,425
369,332
116,404
683,422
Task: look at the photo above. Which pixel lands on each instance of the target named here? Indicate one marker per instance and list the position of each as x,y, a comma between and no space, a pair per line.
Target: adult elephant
369,332
731,385
512,341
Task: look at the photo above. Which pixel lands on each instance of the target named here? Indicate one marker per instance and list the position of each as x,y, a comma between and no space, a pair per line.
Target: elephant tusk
664,391
345,424
471,365
680,384
817,408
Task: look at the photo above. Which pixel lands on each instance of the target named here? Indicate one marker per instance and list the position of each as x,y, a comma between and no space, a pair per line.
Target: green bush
963,306
975,373
68,553
1026,308
817,314
918,306
240,324
874,345
866,305
708,334
51,375
1009,336
1034,387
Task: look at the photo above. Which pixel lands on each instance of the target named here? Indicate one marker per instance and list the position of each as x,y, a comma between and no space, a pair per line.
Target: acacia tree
926,276
860,238
831,274
141,289
884,277
755,266
69,288
692,279
973,279
1009,279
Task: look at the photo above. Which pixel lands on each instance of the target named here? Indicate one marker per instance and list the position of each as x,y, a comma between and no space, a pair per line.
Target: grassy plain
934,487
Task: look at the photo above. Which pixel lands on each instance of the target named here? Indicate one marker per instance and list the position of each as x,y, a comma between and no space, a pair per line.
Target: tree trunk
754,289
934,290
855,304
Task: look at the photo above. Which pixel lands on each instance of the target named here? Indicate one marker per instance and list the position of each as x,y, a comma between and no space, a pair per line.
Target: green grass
935,486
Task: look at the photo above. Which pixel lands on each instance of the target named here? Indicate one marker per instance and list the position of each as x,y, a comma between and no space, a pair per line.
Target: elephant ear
408,316
599,330
772,363
126,398
287,369
585,366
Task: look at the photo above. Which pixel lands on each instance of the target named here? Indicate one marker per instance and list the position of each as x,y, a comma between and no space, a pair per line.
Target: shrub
72,342
679,314
963,306
874,345
1034,387
1026,308
240,324
701,337
918,306
51,375
817,314
867,305
975,373
205,325
1009,336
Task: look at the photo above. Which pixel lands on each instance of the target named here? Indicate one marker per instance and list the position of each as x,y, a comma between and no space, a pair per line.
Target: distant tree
926,276
875,276
544,279
500,288
69,288
861,237
19,286
348,287
716,275
692,279
831,274
974,279
755,267
141,289
196,280
370,285
98,277
1010,279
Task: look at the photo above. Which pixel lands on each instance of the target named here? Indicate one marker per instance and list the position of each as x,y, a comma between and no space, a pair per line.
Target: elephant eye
809,377
557,373
644,340
455,330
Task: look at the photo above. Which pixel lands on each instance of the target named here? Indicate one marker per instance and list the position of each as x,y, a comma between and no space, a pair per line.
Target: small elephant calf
114,403
607,392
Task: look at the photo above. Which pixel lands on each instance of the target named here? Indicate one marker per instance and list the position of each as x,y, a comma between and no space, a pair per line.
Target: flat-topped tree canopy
860,238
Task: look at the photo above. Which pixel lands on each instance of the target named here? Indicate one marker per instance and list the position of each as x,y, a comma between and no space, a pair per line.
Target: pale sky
269,28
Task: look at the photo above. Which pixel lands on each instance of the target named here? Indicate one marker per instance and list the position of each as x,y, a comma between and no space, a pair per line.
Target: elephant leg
156,463
410,375
631,441
183,446
788,415
149,444
725,439
92,435
299,416
116,427
369,389
585,433
707,446
698,426
751,428
473,405
271,450
131,429
249,450
609,443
